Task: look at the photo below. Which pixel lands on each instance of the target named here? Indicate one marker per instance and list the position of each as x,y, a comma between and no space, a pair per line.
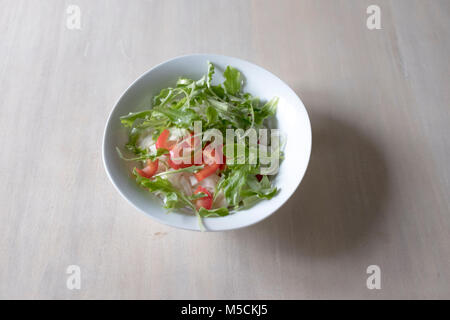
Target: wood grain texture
376,192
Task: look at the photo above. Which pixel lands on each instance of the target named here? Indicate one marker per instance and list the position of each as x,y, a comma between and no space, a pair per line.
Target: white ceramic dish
291,116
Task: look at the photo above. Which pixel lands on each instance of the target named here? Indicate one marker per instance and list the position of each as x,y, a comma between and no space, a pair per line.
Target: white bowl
291,116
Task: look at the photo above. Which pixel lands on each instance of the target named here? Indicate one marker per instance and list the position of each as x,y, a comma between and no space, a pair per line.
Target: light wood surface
376,192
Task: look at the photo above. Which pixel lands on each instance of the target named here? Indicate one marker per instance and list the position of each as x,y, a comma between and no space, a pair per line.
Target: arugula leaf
210,74
218,91
145,156
229,113
133,138
142,127
181,118
211,115
130,118
262,189
249,201
220,212
163,95
232,81
191,169
268,110
173,198
235,179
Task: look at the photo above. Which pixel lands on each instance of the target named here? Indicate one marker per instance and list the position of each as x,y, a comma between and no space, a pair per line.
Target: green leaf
144,156
130,118
220,212
231,114
262,189
133,138
218,91
268,110
211,115
232,81
249,201
181,118
232,185
210,74
191,169
173,198
163,95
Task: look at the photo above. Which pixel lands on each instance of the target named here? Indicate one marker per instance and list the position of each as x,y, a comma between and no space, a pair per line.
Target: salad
183,157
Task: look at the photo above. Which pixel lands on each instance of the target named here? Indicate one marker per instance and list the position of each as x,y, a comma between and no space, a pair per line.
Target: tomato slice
149,170
209,155
191,140
205,202
211,166
189,143
223,166
177,154
206,171
177,166
259,177
162,141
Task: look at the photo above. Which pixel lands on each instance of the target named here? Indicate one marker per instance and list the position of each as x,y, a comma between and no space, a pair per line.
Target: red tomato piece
205,202
177,166
223,166
193,141
163,141
206,171
177,152
210,165
209,155
149,170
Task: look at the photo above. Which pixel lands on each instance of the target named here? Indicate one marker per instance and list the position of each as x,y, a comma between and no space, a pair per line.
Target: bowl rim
165,222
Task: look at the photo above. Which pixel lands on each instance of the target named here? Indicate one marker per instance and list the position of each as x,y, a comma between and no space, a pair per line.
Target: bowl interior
292,120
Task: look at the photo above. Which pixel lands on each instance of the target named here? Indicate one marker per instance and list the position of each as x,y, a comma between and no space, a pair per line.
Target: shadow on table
340,198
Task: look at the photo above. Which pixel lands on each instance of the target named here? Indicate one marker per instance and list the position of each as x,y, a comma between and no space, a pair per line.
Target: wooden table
376,192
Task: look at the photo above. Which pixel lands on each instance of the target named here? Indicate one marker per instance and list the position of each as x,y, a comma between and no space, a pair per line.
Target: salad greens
216,106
